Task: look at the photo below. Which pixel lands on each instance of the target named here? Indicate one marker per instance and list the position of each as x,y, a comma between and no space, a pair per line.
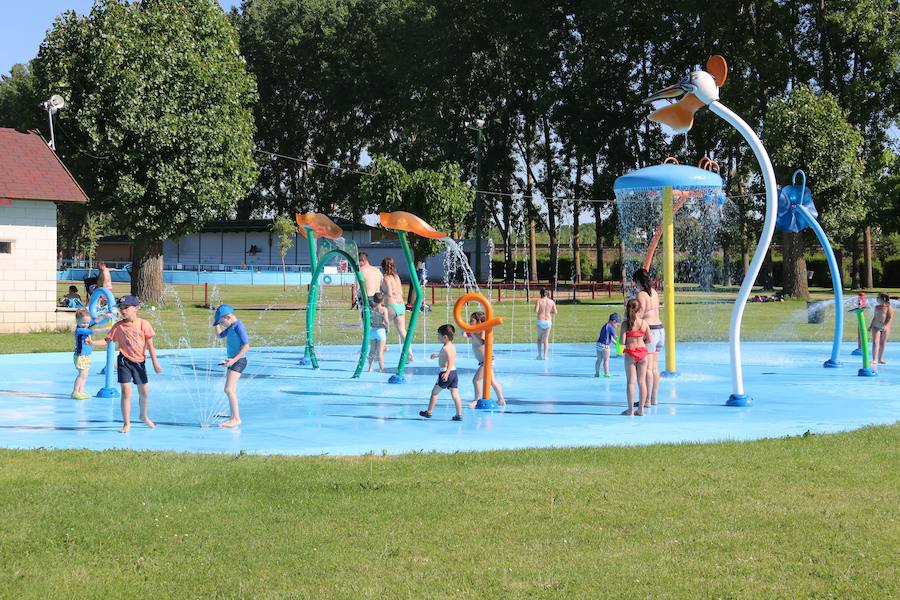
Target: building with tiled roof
32,181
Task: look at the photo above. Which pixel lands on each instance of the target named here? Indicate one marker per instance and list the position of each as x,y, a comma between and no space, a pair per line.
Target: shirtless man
104,279
545,308
649,301
371,276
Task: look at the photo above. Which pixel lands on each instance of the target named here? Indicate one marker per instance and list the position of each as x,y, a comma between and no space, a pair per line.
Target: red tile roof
30,170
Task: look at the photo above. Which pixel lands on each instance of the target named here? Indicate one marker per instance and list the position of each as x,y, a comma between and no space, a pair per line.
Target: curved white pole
738,397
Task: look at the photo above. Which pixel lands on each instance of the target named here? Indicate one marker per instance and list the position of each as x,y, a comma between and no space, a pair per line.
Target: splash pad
291,410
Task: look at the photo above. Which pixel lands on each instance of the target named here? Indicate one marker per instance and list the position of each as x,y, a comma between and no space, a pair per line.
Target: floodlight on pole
52,105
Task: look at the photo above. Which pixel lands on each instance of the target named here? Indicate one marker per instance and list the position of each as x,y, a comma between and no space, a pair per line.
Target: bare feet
232,422
409,358
148,422
640,412
125,428
629,412
473,403
501,401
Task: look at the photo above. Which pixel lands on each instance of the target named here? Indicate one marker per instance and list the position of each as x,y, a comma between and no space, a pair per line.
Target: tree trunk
867,256
726,265
532,251
576,232
598,238
147,271
854,268
549,189
768,270
795,284
839,259
622,264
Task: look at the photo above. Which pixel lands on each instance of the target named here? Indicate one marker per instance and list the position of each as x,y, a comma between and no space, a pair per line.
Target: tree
439,197
19,99
810,132
159,108
286,230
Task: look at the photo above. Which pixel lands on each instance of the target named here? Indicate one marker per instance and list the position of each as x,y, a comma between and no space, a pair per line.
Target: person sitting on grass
237,342
72,299
83,348
604,341
477,341
378,330
447,378
134,337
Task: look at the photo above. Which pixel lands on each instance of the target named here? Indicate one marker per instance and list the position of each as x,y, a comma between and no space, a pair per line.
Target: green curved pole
314,301
867,370
417,307
311,246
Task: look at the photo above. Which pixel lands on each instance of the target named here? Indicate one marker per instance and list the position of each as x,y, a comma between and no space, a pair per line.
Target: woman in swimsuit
393,295
649,300
636,333
881,328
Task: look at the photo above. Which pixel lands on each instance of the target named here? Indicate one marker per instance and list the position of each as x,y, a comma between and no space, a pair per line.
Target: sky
23,25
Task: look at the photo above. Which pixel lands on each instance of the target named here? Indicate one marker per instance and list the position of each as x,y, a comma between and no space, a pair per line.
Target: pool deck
289,409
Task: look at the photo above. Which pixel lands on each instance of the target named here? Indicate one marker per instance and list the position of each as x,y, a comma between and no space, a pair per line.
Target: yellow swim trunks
82,361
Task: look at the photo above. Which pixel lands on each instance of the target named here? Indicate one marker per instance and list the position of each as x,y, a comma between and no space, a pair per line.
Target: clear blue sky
23,25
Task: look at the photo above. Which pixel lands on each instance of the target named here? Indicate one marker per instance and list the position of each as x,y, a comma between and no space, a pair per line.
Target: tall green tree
159,106
810,132
438,196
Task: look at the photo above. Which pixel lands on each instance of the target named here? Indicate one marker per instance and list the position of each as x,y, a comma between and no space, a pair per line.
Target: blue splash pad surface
289,409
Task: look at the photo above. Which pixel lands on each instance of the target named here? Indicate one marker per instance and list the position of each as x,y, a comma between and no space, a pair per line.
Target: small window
5,247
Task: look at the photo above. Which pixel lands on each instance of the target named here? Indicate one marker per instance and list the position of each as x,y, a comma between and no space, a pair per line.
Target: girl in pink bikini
636,333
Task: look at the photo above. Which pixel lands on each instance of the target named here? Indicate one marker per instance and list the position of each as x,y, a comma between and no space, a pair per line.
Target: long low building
248,252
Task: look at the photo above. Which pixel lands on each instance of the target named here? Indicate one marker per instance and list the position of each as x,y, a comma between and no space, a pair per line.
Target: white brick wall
28,275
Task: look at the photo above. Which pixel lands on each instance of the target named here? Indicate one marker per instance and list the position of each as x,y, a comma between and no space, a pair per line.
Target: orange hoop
708,164
487,327
671,160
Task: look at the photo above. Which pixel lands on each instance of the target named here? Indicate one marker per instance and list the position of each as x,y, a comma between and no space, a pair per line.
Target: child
378,330
635,334
447,379
544,308
477,341
881,328
134,337
227,325
83,349
604,341
72,299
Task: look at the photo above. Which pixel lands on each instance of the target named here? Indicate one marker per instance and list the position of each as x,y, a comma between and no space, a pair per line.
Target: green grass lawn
796,517
699,316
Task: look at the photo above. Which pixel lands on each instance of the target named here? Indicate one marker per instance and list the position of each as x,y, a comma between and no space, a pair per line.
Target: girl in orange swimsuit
636,333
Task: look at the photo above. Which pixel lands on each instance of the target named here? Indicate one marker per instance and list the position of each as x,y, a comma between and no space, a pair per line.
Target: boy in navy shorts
447,379
237,341
134,337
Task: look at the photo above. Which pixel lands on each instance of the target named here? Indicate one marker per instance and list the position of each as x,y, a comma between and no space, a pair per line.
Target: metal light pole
477,126
52,105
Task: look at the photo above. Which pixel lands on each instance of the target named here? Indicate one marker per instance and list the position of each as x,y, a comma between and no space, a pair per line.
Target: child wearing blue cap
227,325
604,341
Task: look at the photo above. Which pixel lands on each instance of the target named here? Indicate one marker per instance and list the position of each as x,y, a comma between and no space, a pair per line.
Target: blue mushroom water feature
796,212
665,181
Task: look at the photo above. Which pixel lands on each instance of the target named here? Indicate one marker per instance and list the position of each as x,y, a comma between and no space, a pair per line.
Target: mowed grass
797,517
699,317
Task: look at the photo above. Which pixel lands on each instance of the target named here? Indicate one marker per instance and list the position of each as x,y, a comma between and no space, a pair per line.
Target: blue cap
615,317
128,300
224,309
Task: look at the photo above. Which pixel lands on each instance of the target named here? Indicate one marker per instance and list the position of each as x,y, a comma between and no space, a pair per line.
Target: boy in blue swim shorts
604,341
447,378
228,326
